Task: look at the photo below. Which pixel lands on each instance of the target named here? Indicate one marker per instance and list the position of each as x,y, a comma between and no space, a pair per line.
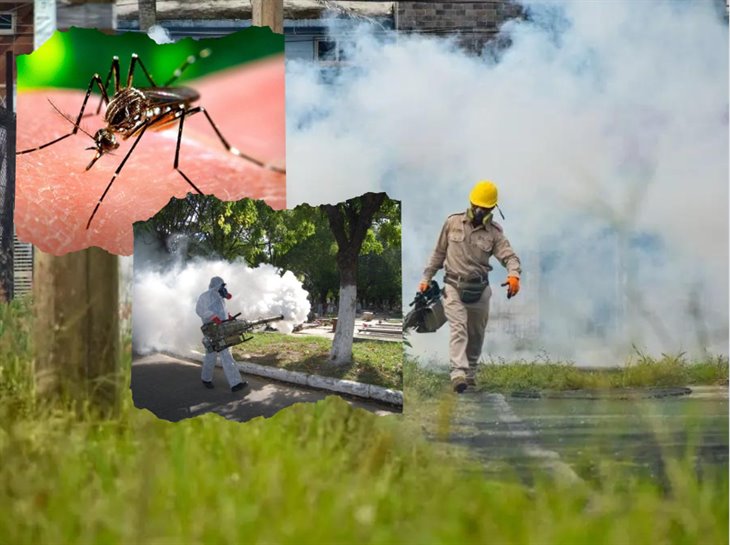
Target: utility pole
7,186
268,13
76,327
76,323
147,14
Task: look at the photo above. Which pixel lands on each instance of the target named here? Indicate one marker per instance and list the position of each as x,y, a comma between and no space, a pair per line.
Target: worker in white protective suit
211,307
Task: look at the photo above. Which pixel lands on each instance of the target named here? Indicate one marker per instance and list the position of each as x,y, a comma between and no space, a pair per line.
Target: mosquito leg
113,70
132,65
230,148
116,173
182,114
95,79
190,60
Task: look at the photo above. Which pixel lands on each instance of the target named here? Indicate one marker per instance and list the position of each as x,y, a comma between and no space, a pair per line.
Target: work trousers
468,324
233,375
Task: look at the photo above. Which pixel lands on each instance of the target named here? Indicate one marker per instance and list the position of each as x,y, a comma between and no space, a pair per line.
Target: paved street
577,436
171,389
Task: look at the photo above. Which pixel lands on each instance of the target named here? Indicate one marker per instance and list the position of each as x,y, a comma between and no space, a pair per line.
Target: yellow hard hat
484,194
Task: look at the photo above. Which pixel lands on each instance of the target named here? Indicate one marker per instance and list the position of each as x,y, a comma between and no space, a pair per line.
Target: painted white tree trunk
342,345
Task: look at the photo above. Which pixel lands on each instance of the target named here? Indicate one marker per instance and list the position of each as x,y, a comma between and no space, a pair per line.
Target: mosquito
130,111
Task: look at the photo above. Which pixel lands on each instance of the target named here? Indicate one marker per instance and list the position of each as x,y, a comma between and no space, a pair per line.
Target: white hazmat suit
211,304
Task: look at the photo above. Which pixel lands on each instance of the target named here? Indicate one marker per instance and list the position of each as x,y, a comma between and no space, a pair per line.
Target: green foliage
63,60
299,240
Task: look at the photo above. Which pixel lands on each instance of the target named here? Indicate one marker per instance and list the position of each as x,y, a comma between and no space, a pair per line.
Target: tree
379,268
247,229
313,259
350,222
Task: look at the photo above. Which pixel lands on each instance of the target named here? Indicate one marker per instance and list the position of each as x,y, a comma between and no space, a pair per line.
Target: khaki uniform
464,251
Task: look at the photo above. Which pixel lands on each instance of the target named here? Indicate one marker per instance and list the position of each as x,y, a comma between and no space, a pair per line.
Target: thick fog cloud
166,290
605,126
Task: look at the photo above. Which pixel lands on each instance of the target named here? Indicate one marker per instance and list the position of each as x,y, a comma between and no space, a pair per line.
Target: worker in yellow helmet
467,241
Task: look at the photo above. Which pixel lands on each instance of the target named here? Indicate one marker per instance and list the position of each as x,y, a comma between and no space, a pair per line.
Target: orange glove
423,286
513,284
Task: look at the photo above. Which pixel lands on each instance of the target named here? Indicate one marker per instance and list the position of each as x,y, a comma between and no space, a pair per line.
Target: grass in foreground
313,473
375,362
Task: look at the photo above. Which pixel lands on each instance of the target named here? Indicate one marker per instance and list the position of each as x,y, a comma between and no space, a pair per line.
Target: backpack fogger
217,337
427,315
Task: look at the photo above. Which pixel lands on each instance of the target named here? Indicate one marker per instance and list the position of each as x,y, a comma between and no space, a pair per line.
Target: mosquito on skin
131,111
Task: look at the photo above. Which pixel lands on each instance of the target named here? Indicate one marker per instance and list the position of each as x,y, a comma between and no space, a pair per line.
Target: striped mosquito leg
116,173
231,149
181,114
95,79
132,65
115,71
190,60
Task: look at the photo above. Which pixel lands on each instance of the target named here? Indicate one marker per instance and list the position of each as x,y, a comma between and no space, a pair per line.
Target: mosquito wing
168,96
165,103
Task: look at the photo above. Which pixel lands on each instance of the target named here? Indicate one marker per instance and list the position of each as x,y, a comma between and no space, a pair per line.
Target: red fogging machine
217,337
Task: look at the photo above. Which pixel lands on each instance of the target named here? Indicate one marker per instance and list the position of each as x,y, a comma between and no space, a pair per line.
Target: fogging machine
217,337
428,314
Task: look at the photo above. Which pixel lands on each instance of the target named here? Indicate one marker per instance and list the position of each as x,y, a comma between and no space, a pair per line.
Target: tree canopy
300,240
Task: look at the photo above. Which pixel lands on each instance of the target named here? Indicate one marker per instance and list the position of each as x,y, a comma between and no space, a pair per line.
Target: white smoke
605,126
163,311
160,34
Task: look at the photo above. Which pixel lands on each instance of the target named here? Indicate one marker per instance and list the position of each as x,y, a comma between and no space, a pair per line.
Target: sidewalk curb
341,386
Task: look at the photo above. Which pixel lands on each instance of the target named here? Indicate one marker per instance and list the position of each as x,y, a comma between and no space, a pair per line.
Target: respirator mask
223,292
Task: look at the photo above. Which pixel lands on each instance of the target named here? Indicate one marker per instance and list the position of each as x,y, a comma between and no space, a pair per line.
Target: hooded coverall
464,251
210,304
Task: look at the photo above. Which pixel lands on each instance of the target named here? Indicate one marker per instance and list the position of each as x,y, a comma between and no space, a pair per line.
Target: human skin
55,195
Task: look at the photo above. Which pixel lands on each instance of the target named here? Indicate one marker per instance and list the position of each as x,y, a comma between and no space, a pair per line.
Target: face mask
479,216
223,292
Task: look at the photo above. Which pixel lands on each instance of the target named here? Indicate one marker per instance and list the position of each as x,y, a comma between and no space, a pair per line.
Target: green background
69,59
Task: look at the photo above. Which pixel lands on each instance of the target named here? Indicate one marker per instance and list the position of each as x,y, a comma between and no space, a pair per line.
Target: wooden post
76,331
7,205
147,14
268,13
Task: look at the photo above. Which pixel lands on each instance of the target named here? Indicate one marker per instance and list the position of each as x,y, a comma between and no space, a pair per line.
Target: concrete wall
474,22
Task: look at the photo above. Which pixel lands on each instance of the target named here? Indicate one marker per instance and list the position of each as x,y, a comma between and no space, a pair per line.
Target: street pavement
171,389
576,437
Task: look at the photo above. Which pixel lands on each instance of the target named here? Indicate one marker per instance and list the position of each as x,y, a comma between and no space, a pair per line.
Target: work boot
459,384
239,386
471,375
208,384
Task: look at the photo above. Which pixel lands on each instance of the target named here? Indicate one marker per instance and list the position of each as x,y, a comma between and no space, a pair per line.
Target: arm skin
55,195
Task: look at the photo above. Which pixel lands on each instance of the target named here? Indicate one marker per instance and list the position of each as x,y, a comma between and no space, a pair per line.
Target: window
329,51
7,22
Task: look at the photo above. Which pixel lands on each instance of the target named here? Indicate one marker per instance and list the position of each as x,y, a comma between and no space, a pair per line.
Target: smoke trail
605,125
163,312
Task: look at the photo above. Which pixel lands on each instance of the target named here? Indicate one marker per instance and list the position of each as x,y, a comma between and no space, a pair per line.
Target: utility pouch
471,293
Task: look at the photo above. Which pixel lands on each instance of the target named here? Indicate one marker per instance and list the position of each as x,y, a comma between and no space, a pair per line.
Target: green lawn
644,371
375,362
